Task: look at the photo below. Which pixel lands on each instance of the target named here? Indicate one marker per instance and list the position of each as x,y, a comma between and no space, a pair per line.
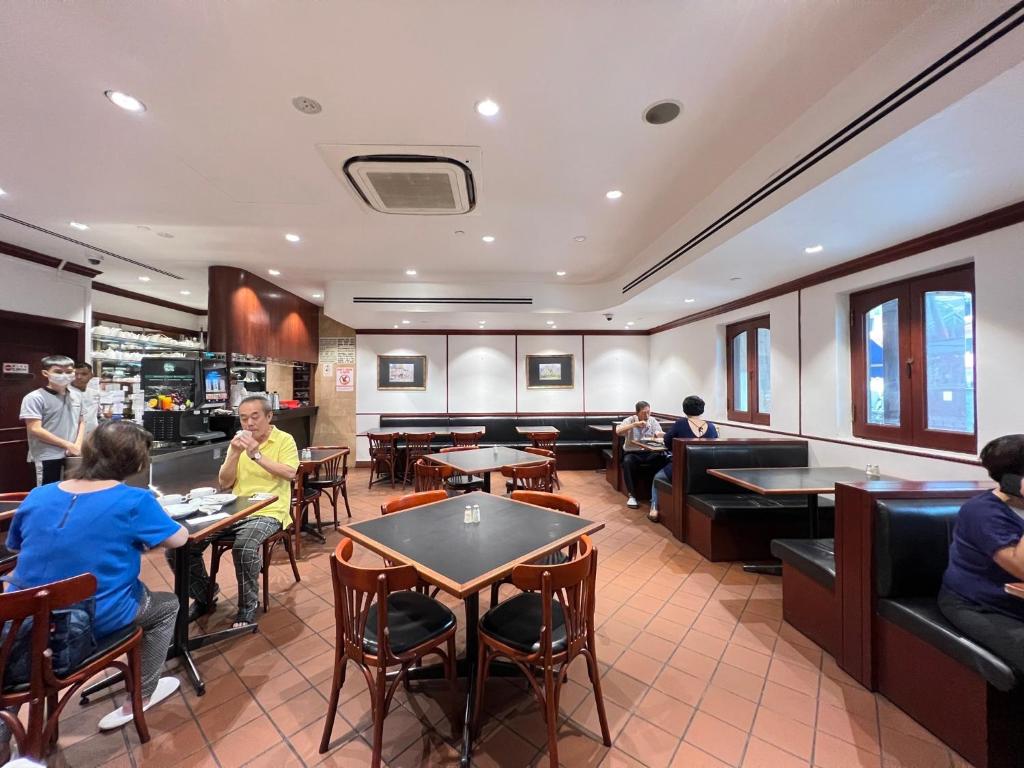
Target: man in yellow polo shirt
261,459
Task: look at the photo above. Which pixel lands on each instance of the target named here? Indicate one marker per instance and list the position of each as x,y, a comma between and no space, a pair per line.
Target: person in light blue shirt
94,523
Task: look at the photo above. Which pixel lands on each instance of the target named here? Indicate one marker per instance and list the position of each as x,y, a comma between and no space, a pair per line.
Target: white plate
260,496
196,493
177,511
218,498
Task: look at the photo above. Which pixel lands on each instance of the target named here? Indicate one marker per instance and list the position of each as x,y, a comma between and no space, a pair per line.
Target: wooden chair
42,692
411,500
470,439
381,622
546,441
288,536
536,452
430,476
546,626
416,447
331,477
383,455
464,483
531,477
13,496
554,501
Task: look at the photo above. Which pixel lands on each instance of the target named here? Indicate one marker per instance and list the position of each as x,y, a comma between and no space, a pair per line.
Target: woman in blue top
691,427
94,523
986,554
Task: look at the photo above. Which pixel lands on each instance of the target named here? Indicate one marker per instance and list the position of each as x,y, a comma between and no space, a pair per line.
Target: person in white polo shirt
53,419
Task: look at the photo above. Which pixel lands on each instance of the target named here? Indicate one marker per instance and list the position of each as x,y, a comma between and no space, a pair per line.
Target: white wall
142,311
34,289
615,372
482,374
817,404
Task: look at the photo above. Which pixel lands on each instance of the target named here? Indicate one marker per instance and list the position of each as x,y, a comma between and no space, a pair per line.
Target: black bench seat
815,558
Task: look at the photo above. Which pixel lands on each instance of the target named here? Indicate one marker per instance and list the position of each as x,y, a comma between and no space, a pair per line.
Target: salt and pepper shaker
871,470
467,515
306,454
476,513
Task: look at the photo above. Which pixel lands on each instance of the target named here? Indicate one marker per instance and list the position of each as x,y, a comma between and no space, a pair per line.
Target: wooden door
25,340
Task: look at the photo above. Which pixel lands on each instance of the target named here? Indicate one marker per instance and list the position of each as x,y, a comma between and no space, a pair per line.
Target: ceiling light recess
688,301
411,272
291,237
613,194
580,238
560,273
185,293
144,278
2,192
125,101
814,249
78,225
274,272
661,112
488,107
488,238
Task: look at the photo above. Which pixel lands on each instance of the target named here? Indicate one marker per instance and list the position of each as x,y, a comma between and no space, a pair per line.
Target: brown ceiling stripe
27,254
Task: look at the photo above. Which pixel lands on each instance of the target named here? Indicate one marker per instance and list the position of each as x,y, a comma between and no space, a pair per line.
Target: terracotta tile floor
698,670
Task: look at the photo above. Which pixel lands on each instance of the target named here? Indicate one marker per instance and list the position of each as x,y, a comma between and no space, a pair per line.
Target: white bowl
172,498
198,493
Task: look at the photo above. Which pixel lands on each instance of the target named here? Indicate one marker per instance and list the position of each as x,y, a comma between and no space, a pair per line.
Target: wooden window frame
913,429
752,416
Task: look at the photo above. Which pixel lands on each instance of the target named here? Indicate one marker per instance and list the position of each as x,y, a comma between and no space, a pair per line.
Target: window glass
882,331
740,401
764,370
949,358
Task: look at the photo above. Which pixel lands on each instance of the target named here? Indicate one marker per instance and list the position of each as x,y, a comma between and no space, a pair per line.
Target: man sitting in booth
261,459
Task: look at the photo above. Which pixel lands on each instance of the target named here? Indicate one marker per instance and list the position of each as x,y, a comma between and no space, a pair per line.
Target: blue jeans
665,473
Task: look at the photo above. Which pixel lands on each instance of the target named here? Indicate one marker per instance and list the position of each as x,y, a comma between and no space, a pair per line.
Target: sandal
164,688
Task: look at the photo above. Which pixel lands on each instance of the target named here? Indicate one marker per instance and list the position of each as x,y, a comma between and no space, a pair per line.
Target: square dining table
465,558
483,461
792,481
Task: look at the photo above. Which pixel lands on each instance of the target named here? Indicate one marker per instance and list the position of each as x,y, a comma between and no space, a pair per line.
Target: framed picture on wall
401,372
549,372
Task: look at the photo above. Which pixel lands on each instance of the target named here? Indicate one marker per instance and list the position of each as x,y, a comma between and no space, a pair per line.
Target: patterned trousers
247,552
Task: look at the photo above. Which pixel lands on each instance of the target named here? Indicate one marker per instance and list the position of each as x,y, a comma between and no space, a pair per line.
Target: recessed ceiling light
487,108
814,249
560,273
185,293
292,238
406,322
488,238
125,102
734,279
661,112
76,225
411,272
613,194
553,327
144,278
688,301
550,322
580,238
394,326
274,272
2,191
318,295
631,322
166,235
460,231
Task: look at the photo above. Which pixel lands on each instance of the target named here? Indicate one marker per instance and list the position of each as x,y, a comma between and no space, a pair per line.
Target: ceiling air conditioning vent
412,184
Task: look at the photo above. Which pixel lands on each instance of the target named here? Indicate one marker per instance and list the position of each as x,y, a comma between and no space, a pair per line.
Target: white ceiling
222,161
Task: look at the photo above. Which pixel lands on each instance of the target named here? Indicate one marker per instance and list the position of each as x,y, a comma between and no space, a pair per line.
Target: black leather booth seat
912,538
573,431
815,558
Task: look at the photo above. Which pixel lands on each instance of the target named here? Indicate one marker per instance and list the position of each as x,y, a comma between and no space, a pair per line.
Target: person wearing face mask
90,395
53,419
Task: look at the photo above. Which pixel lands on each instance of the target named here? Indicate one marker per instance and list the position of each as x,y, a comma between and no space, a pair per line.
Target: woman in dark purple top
986,554
693,426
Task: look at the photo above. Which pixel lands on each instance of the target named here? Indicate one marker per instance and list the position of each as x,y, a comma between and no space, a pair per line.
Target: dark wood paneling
987,222
113,290
27,254
812,608
252,316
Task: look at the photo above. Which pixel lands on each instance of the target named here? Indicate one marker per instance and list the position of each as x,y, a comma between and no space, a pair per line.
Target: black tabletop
782,480
320,455
484,459
464,558
424,430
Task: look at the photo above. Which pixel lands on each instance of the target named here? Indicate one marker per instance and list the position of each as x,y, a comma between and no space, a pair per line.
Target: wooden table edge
306,463
723,474
228,521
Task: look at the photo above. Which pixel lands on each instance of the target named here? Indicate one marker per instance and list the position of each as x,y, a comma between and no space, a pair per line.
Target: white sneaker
653,515
631,503
164,688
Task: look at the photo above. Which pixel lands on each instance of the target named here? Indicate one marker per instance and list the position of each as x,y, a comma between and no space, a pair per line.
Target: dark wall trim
973,462
125,294
463,332
104,317
964,230
27,254
948,62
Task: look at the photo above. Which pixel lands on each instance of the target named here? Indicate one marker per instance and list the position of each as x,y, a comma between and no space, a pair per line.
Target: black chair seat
812,557
738,506
464,483
554,558
324,482
103,646
413,619
517,622
921,616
